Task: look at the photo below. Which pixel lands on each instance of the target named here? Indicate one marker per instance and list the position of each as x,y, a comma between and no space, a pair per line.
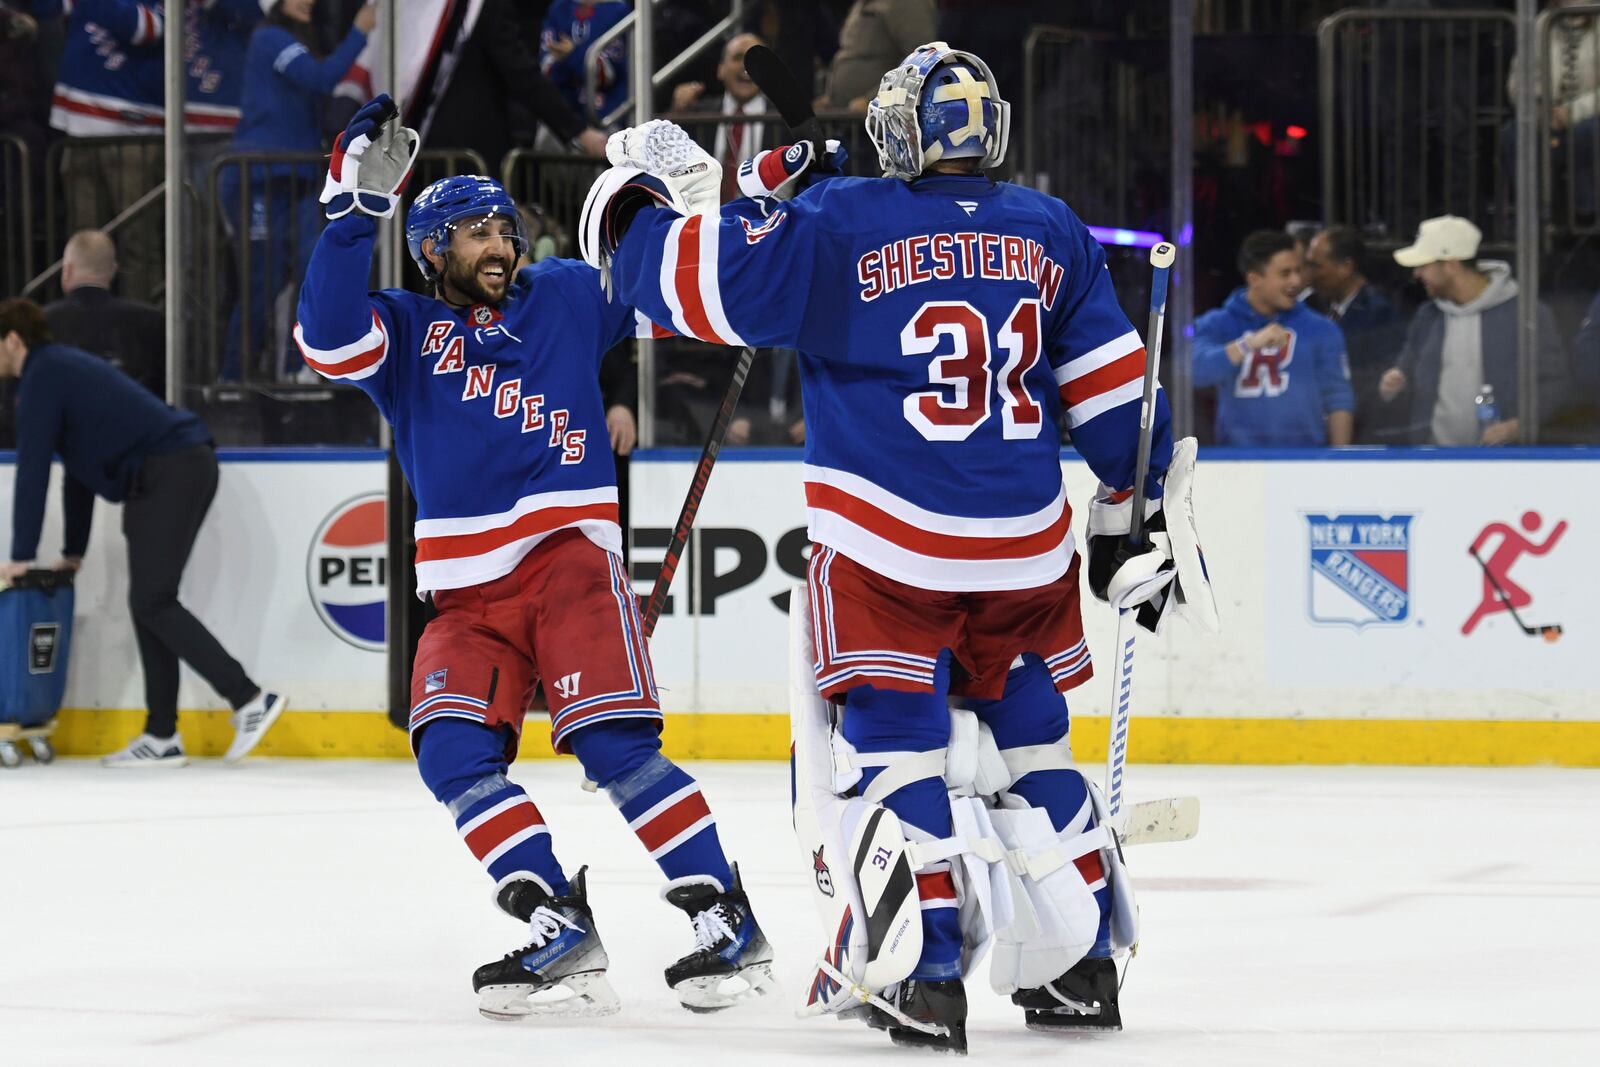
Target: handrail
1545,31
591,59
129,212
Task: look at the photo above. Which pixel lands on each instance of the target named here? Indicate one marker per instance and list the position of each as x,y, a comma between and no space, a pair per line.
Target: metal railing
663,76
16,214
1414,106
1570,157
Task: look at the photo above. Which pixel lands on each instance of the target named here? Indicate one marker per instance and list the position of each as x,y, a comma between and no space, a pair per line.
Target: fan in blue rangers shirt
945,322
491,386
1279,368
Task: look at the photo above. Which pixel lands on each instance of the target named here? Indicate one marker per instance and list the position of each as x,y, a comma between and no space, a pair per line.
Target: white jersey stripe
933,521
1129,392
710,288
1091,361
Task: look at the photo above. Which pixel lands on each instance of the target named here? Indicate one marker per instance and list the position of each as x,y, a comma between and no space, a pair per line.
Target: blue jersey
1278,396
943,325
497,417
284,87
582,21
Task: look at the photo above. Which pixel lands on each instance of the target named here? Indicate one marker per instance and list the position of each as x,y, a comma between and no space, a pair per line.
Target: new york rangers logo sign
1360,569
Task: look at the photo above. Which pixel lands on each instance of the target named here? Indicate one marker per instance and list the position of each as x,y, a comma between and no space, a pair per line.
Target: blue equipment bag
35,640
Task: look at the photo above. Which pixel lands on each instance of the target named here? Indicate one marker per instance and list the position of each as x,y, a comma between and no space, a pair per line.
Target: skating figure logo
347,571
1360,569
824,876
1500,593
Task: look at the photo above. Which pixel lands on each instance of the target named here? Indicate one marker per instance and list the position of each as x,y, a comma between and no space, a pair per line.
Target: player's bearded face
481,260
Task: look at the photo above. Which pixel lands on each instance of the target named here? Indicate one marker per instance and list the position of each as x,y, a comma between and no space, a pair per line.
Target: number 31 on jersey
968,384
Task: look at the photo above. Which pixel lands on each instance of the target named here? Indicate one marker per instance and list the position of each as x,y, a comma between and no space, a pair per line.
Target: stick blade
779,85
1156,822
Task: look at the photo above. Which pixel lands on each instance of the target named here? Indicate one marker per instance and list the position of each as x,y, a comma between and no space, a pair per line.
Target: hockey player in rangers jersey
491,387
944,323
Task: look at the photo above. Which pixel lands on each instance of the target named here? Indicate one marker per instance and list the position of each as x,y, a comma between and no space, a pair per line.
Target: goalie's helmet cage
939,103
448,201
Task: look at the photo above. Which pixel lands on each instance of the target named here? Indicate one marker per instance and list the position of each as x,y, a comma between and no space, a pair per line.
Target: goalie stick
1177,819
779,86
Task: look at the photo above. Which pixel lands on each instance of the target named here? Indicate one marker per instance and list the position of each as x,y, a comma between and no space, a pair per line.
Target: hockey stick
1550,632
778,85
1161,257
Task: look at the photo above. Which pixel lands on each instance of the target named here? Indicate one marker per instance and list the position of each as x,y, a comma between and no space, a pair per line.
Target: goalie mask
449,201
939,103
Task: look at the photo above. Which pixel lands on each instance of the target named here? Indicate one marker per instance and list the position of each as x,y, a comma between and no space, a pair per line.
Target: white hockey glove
656,164
371,161
1169,575
782,172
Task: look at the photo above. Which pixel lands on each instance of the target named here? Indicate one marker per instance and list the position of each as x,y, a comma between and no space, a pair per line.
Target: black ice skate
561,971
1082,1000
939,1007
731,960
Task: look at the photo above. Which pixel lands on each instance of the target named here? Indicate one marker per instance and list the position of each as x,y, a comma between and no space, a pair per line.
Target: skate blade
719,991
942,1044
587,995
1065,1023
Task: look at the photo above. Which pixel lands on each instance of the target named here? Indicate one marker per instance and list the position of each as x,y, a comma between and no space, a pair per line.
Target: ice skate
732,960
561,971
146,752
1084,1000
940,1006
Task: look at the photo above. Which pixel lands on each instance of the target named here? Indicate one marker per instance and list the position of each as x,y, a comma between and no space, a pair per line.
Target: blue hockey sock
662,803
464,764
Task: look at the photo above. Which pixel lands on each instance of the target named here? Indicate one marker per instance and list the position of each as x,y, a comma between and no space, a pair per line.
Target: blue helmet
450,200
939,103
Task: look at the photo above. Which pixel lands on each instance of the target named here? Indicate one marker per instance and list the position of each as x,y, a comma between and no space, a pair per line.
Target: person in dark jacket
117,441
1457,373
125,333
277,215
1373,331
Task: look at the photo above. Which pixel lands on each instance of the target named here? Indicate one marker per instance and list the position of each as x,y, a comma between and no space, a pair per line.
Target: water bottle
1488,410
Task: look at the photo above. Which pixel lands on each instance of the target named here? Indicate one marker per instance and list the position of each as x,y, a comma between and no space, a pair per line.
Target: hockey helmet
939,103
448,201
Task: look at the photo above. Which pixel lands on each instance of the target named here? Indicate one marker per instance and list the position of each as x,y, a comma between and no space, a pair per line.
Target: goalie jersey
943,325
496,409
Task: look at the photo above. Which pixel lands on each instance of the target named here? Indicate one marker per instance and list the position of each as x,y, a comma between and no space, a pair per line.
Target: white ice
290,912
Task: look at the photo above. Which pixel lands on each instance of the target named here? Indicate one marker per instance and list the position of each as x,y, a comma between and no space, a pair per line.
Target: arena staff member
115,438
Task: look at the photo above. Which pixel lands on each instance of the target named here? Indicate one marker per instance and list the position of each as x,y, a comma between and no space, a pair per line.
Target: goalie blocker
1021,887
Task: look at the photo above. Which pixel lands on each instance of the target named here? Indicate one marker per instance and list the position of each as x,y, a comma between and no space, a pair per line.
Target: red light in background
1296,132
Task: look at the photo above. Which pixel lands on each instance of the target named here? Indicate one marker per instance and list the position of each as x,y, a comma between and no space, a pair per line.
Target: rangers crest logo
754,234
1360,569
824,876
435,681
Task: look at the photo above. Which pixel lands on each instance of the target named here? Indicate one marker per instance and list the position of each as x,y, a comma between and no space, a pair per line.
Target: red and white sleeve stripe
1102,379
359,359
148,25
689,281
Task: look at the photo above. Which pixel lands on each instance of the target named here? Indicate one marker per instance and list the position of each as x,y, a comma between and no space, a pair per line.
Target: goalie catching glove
1167,575
371,161
656,164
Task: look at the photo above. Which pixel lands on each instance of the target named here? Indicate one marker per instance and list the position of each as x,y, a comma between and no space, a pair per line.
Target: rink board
1345,586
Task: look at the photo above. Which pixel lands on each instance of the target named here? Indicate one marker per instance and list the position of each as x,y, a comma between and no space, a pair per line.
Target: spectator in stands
118,441
570,29
275,215
108,102
1571,93
734,141
127,334
1373,331
545,238
1278,367
876,35
1462,344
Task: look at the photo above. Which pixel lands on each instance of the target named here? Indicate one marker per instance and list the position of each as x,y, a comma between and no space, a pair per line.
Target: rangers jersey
943,327
497,416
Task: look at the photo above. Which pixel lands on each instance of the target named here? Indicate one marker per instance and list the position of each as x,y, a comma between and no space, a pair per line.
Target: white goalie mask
938,103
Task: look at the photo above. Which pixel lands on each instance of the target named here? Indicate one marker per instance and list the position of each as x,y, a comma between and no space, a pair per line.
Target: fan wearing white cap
1459,363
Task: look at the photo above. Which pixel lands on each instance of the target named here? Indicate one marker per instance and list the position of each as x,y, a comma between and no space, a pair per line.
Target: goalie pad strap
1025,759
900,769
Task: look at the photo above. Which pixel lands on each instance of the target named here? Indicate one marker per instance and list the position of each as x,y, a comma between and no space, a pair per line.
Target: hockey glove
371,161
1167,575
654,165
785,171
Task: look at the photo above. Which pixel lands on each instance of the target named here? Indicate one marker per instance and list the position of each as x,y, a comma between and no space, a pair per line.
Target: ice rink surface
318,912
